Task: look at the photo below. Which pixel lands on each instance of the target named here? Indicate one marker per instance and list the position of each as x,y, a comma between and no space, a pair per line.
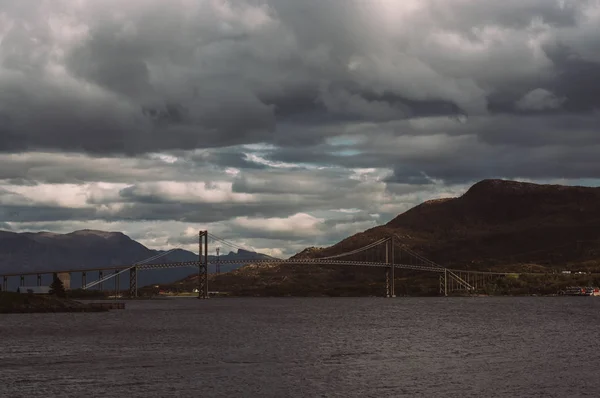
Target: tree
57,288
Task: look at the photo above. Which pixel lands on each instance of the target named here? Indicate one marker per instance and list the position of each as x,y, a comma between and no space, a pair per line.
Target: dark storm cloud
512,163
219,74
578,81
539,146
21,213
56,168
573,89
144,209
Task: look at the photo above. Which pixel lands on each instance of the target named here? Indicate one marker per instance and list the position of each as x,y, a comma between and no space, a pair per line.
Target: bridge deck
194,264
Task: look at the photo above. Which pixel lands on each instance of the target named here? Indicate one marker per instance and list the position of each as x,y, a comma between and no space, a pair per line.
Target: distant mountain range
46,251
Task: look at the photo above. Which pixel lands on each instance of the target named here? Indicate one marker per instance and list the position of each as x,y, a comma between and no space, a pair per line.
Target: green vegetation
57,288
543,284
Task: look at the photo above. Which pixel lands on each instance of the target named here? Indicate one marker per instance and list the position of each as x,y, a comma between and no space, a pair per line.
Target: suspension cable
142,262
229,243
356,250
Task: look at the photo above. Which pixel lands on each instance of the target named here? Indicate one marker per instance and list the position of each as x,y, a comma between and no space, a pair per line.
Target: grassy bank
14,303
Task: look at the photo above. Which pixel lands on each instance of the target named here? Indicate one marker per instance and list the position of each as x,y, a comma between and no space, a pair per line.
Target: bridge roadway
194,264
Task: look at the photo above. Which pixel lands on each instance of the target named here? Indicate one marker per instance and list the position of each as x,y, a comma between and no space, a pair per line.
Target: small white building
34,289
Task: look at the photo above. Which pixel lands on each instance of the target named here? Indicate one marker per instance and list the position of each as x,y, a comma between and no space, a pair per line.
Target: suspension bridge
386,253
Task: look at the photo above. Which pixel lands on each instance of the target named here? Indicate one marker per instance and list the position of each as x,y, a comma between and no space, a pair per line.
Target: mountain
499,223
27,252
46,251
496,225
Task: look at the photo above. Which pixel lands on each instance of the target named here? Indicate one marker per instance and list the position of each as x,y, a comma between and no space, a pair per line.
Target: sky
284,124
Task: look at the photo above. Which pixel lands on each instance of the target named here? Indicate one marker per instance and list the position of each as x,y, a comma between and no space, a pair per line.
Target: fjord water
308,347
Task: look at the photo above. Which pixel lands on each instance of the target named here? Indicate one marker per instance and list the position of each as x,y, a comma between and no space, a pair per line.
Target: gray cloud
219,74
16,213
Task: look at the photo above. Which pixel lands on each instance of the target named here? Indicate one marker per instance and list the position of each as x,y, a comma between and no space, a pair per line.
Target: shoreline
49,310
171,297
18,303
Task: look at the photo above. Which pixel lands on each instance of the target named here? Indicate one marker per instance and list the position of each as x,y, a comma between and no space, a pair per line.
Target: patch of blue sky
260,147
344,140
346,152
253,157
352,210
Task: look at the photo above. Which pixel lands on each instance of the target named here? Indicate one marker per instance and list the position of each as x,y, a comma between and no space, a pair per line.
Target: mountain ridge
495,219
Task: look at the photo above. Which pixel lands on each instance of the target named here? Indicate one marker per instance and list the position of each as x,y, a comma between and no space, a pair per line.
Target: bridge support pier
39,279
444,283
133,291
393,266
83,280
22,281
100,276
387,283
4,283
116,283
202,264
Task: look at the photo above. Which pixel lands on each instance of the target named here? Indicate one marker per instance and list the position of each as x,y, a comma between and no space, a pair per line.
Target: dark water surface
313,347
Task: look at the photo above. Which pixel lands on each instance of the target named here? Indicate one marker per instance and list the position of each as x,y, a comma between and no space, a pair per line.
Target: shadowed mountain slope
497,222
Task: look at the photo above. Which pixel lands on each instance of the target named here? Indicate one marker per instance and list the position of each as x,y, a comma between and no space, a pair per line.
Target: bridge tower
203,264
390,278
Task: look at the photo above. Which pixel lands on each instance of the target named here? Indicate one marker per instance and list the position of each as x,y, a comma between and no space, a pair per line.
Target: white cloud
63,195
300,224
